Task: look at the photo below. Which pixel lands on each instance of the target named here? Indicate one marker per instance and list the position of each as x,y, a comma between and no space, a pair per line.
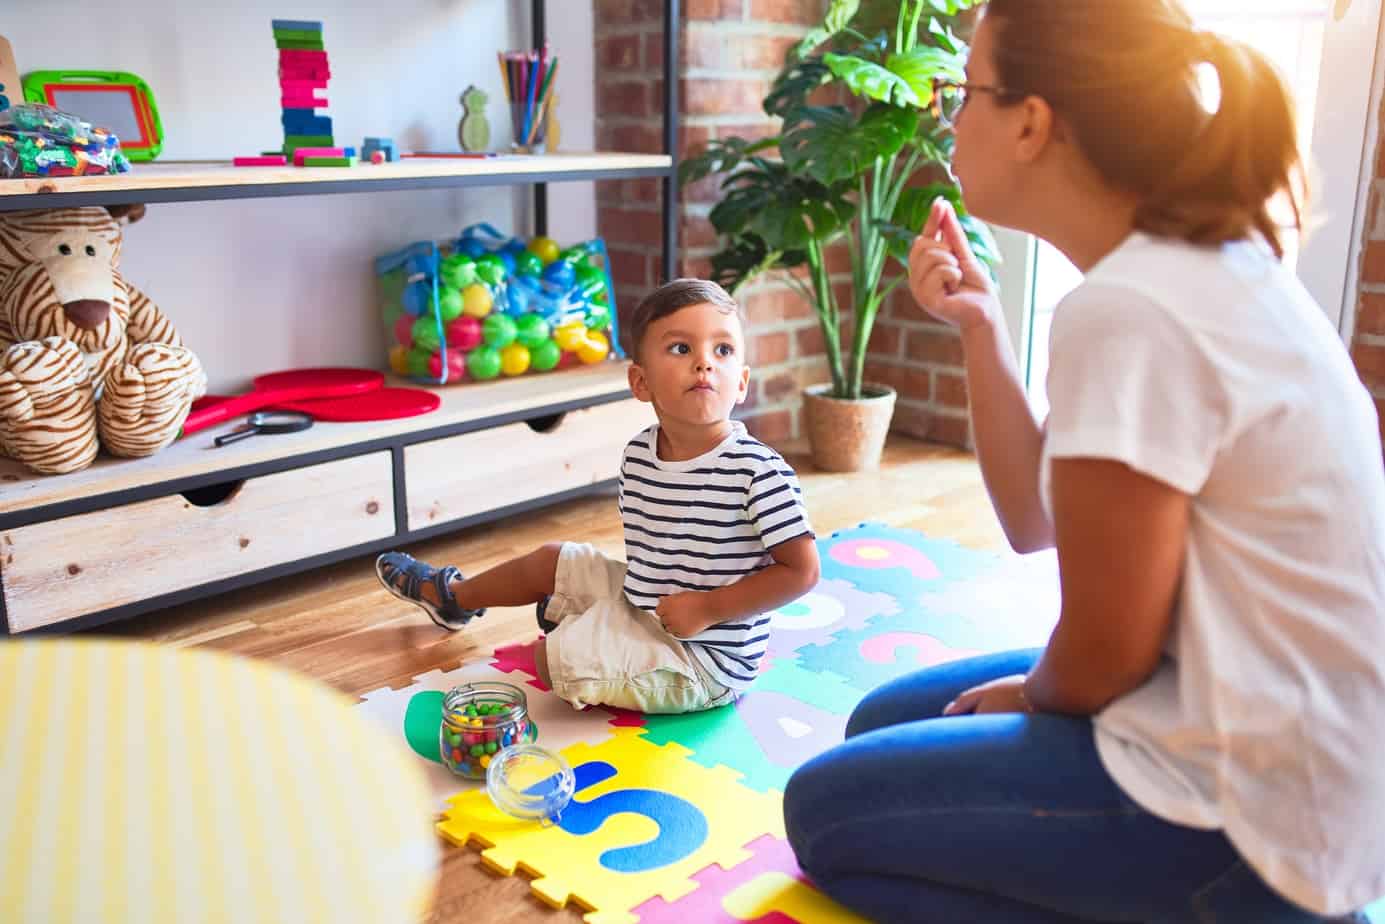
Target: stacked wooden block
303,73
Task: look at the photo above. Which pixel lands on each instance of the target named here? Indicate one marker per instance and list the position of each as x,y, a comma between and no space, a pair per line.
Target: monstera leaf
873,81
831,146
911,214
720,156
920,66
785,211
839,14
794,83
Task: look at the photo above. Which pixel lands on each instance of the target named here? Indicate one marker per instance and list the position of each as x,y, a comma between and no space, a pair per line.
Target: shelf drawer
461,476
90,562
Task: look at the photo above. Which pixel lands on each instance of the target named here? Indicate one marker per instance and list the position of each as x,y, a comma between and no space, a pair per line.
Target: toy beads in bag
38,140
486,306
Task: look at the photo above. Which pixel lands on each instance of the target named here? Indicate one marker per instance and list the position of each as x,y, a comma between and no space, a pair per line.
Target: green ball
590,279
391,312
598,317
426,335
483,363
418,361
450,304
544,356
532,330
458,270
490,269
498,330
528,264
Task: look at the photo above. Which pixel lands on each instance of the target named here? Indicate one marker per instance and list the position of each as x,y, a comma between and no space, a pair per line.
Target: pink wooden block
300,153
291,85
301,56
305,73
301,102
267,160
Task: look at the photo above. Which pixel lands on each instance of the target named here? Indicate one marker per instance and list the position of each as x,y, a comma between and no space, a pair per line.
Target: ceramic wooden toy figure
474,132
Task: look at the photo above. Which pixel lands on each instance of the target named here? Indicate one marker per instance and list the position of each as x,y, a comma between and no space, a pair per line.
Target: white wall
258,285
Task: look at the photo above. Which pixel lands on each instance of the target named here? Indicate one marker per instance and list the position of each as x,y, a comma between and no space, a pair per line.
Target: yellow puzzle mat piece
625,857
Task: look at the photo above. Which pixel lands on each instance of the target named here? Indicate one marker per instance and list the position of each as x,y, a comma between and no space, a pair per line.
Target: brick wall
731,50
1368,340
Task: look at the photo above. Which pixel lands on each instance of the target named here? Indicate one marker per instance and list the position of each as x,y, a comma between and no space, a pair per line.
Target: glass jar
479,720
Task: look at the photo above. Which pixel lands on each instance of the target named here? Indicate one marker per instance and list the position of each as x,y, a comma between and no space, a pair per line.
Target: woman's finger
964,704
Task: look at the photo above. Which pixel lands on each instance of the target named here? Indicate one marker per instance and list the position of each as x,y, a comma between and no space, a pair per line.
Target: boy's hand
683,615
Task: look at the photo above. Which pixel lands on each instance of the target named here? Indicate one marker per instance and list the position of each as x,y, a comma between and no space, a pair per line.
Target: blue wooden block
371,145
296,25
311,125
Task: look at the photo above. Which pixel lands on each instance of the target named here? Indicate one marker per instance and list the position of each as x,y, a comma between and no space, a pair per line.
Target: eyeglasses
950,98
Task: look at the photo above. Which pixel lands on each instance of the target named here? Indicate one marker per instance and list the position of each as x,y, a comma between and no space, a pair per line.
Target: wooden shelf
197,456
190,181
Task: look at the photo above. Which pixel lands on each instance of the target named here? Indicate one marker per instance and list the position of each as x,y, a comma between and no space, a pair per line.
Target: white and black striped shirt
705,523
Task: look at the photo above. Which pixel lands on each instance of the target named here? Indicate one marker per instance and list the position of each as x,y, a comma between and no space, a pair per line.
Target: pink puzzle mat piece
884,649
520,658
769,887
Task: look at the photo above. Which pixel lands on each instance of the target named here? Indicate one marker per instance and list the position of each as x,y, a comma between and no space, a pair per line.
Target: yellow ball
545,248
476,300
399,359
571,335
594,348
514,359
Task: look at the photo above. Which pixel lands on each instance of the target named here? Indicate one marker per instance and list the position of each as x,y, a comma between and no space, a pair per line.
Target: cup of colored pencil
529,78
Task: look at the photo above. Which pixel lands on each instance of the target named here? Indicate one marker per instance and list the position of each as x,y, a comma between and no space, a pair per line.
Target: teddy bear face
58,279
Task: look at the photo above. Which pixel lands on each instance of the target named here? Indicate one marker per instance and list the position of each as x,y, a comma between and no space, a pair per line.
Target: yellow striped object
159,785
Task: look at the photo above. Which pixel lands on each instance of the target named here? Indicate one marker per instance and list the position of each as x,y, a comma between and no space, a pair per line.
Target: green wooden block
297,35
300,44
294,142
329,161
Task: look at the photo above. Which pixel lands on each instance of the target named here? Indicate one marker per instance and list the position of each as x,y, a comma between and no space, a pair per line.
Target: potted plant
865,172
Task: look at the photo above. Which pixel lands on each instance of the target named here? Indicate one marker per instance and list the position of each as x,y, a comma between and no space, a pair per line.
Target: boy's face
692,366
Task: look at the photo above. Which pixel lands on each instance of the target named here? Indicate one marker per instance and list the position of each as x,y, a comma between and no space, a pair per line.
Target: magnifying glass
268,422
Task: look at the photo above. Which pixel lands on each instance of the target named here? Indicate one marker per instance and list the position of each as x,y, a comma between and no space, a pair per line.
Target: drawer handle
213,494
547,423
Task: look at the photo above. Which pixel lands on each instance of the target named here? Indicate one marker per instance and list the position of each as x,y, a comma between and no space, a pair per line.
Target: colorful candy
479,721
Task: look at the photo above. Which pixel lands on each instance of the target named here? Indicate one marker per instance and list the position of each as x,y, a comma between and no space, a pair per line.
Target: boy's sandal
404,576
546,625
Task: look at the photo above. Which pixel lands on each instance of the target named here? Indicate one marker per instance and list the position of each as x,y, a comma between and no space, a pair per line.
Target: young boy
715,536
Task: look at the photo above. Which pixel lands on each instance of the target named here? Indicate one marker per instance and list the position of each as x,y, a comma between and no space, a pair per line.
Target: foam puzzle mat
678,818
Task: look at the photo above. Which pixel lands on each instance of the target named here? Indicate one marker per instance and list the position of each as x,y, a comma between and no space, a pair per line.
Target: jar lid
530,782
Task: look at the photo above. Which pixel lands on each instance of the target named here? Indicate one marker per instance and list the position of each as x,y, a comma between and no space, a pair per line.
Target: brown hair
665,300
1122,75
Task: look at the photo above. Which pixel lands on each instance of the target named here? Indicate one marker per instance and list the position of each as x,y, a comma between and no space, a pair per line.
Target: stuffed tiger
86,359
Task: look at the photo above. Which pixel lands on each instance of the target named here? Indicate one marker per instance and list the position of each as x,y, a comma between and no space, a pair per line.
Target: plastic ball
417,298
514,247
528,264
508,260
570,334
456,365
598,317
418,362
399,359
544,356
404,330
464,333
477,300
490,268
483,363
471,247
416,264
590,279
458,270
568,358
594,349
391,312
377,157
498,330
545,248
426,334
449,304
531,330
515,359
560,274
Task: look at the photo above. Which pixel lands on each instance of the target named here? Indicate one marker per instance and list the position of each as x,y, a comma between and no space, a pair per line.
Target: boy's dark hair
665,300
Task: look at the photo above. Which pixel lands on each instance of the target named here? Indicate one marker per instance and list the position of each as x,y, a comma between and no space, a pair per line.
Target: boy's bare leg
526,579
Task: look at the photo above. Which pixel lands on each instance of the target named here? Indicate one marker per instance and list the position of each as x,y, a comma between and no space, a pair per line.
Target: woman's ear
1038,128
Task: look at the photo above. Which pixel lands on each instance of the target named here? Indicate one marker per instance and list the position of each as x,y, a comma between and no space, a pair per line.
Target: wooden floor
338,625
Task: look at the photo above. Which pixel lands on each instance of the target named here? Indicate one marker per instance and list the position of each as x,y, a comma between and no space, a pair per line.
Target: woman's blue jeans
1000,819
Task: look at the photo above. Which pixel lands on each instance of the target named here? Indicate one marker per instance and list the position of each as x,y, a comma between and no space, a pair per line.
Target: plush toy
82,352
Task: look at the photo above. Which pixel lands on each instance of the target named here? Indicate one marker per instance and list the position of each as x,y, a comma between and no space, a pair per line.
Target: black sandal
404,576
546,625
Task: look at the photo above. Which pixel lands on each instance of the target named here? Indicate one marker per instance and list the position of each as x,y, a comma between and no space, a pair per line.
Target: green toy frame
39,87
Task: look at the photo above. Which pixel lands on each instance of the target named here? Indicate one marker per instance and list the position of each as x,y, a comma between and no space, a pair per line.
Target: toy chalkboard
120,102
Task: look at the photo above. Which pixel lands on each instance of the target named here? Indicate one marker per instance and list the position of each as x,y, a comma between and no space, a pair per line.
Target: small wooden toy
474,132
378,150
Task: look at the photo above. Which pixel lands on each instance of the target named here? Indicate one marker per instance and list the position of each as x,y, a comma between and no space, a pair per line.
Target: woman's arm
1121,541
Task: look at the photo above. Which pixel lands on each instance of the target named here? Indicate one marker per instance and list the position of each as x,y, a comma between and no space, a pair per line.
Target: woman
1194,743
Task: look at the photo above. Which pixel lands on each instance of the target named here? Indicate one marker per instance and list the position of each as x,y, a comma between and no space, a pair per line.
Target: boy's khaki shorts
606,651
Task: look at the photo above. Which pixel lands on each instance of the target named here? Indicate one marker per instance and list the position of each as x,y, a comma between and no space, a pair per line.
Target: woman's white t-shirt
1214,371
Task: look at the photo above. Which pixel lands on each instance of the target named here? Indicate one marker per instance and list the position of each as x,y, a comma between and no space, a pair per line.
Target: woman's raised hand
946,278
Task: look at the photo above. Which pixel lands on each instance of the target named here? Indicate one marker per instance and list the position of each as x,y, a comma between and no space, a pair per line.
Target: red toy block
268,160
301,102
305,73
300,154
291,85
302,56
